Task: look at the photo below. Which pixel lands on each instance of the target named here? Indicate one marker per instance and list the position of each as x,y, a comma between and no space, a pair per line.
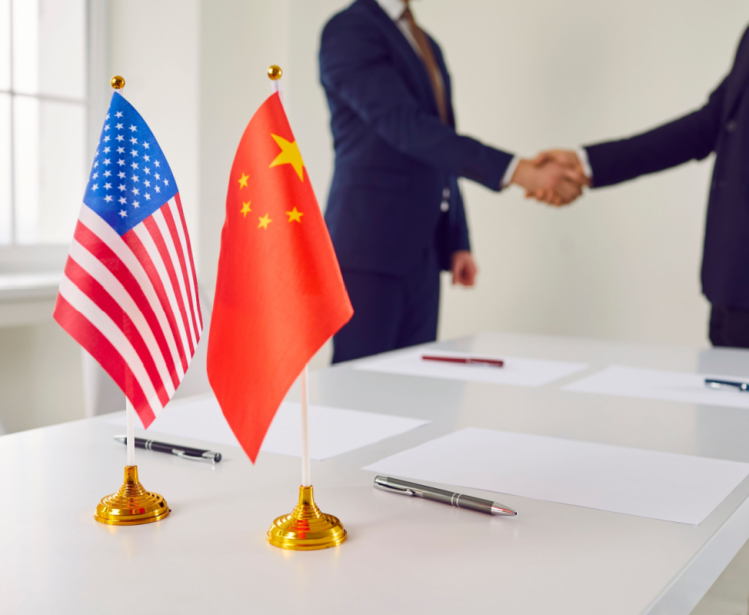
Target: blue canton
130,178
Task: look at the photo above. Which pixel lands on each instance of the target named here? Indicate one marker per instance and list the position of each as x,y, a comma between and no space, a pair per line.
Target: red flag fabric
279,294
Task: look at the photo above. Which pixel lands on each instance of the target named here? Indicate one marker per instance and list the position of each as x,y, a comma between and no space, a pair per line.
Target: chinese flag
279,293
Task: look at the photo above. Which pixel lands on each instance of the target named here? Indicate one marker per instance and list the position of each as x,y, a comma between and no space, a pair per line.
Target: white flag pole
305,430
130,414
274,72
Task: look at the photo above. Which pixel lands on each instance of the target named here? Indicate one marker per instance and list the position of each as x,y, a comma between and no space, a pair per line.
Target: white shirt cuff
582,154
507,179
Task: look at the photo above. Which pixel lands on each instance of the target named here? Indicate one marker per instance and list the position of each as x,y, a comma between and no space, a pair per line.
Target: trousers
729,327
390,311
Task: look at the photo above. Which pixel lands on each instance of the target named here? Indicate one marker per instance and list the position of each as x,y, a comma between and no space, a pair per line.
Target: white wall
622,263
40,377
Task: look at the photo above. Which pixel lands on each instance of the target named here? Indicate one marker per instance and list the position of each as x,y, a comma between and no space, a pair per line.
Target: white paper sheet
516,371
332,431
656,384
658,485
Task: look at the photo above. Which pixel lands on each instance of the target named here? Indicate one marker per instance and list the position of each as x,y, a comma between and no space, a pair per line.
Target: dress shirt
394,9
582,154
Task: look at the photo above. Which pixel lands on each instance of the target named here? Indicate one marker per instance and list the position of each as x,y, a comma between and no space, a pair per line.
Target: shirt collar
393,8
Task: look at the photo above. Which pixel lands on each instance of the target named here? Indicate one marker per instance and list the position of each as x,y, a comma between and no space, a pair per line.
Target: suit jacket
394,159
721,126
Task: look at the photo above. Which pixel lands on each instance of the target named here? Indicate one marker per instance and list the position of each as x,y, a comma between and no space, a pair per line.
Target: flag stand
132,504
306,528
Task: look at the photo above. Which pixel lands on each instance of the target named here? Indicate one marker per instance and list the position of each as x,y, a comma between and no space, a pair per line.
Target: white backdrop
622,263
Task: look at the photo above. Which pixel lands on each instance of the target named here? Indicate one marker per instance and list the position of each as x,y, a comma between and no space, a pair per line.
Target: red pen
465,360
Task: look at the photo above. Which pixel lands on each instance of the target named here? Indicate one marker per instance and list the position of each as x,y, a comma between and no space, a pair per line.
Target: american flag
129,294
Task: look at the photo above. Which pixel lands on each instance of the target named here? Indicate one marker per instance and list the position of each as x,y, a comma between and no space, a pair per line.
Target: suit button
446,193
444,206
732,126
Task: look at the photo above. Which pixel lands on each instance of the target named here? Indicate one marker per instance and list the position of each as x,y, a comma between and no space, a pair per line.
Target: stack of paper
332,431
657,384
520,372
651,484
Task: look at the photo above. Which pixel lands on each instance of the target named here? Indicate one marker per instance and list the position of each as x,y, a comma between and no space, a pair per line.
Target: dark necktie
430,63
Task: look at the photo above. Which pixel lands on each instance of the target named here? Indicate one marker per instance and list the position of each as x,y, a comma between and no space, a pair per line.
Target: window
44,119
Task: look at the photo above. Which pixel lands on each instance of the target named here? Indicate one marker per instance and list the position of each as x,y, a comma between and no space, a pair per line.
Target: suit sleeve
355,65
692,137
459,237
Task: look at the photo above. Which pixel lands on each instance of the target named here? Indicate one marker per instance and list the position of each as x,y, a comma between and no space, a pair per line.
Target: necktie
427,56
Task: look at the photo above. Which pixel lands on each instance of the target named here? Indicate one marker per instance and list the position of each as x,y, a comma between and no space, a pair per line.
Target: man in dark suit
395,211
721,126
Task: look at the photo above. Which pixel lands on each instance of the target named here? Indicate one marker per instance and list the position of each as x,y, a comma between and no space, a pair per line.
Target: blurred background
620,264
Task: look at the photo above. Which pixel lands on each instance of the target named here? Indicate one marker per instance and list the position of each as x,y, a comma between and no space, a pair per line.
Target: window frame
24,258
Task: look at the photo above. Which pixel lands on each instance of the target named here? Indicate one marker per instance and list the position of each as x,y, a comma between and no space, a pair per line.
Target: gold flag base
132,504
306,528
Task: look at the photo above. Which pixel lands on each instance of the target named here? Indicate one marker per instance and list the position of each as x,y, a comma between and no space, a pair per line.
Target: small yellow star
295,216
246,208
264,222
243,181
290,154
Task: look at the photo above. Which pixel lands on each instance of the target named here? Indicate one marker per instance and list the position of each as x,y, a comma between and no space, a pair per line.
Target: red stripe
103,253
189,253
181,256
99,347
153,229
107,304
135,244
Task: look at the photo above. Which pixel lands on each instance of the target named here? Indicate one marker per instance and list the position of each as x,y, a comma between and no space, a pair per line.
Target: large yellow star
243,181
295,215
264,222
289,155
246,208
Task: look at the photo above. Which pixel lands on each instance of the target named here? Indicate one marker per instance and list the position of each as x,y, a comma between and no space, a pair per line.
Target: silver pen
714,383
402,487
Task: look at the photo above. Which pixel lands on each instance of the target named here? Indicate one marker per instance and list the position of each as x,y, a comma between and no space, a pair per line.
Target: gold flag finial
117,82
274,72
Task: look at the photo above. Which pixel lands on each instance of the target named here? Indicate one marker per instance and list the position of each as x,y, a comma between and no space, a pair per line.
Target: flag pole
305,430
130,414
274,74
307,528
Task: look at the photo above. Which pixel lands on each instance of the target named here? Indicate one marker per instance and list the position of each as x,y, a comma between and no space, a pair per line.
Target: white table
403,554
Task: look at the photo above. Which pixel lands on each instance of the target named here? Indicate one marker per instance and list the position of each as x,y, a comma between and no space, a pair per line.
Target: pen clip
392,488
184,455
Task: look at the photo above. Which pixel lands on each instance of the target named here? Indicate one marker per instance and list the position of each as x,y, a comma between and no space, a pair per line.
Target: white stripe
160,220
99,227
153,252
94,267
178,221
99,319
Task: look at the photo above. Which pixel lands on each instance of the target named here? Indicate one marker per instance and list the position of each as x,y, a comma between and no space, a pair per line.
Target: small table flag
129,294
279,294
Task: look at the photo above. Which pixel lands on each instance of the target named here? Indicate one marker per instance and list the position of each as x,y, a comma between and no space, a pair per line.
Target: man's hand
549,181
464,268
569,160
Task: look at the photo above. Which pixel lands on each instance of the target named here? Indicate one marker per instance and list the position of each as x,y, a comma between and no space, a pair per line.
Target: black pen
186,452
722,384
402,487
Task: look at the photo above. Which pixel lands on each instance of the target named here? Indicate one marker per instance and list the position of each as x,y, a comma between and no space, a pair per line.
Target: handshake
555,177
